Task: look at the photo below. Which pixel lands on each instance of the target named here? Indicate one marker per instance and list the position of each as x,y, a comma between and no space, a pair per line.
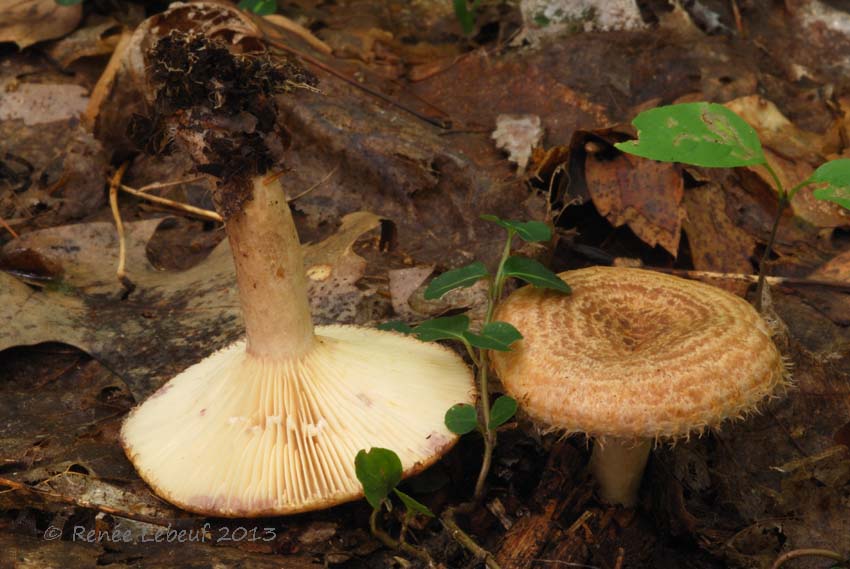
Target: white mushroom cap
240,435
636,354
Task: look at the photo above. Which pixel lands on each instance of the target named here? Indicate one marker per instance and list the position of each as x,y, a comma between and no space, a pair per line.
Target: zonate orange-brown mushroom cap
636,354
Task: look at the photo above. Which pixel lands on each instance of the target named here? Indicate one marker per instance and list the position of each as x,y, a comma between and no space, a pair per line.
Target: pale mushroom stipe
632,357
271,424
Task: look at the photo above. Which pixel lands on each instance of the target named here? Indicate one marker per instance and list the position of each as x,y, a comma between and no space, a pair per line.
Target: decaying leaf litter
740,497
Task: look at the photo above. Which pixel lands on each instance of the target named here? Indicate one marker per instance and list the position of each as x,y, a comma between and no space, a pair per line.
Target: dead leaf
90,41
333,268
834,305
643,194
26,22
794,154
174,318
716,242
775,130
38,103
518,135
403,283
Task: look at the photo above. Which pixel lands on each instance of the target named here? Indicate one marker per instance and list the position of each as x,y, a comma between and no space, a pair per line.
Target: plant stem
495,294
783,202
807,552
460,536
388,541
270,273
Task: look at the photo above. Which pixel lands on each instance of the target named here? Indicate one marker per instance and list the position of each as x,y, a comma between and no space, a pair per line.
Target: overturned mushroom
271,424
634,356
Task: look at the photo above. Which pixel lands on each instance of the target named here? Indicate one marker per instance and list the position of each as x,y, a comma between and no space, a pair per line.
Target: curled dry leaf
173,319
643,194
90,41
793,153
26,22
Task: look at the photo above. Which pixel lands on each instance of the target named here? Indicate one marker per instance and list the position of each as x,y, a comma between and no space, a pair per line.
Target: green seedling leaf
379,471
465,16
456,278
495,336
530,231
259,7
502,410
836,175
702,134
445,328
534,273
413,505
69,2
396,326
461,418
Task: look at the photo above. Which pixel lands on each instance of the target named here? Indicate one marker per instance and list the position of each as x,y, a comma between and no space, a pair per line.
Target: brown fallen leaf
834,305
716,242
794,154
174,318
643,194
96,39
26,22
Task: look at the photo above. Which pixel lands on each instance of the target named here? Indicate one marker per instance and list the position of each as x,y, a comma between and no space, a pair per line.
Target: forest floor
402,126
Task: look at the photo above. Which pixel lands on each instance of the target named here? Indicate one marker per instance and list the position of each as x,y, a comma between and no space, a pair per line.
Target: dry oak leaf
26,22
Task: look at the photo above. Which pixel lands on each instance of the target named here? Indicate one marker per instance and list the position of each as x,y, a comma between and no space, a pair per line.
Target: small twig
204,213
354,83
8,228
829,554
114,184
739,22
621,556
316,185
63,179
388,541
789,281
463,538
163,185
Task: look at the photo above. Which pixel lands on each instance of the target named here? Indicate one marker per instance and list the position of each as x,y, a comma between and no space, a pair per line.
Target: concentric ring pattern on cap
635,353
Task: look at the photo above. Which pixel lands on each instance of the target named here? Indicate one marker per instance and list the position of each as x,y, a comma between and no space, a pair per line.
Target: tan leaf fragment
403,283
26,22
794,154
40,103
90,41
518,135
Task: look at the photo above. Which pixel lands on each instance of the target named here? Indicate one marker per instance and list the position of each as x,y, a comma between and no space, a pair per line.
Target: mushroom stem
618,466
270,274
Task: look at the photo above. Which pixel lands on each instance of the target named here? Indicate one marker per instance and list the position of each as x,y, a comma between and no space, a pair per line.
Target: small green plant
379,472
69,2
462,419
465,13
493,335
710,135
259,7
